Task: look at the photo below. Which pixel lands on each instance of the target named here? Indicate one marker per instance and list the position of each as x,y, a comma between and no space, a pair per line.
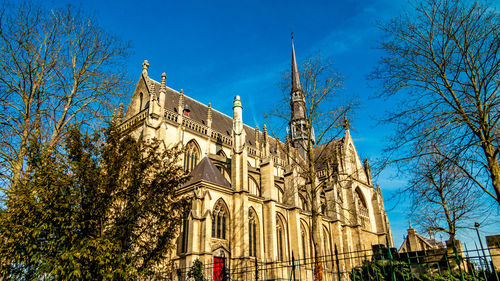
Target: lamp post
476,226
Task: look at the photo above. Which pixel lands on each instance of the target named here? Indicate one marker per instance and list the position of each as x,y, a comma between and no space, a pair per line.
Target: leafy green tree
106,208
196,271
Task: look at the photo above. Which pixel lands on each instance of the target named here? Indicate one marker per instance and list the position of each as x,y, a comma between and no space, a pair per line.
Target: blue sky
215,50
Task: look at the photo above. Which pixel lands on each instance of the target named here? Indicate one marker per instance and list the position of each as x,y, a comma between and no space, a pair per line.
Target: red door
219,268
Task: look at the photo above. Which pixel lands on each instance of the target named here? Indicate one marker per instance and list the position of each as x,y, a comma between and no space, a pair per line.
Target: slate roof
199,113
221,122
206,171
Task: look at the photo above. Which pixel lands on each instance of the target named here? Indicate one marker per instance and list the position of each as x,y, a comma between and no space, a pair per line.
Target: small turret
239,161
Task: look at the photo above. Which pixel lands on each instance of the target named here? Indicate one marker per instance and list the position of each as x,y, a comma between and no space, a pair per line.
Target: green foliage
381,271
196,271
102,209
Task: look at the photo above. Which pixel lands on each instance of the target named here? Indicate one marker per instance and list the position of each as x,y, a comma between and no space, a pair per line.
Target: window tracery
219,217
191,156
252,233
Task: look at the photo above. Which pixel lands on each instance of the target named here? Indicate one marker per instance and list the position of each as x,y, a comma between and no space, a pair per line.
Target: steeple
298,128
295,71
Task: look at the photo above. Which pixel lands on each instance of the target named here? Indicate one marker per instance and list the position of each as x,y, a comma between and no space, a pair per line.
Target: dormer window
186,110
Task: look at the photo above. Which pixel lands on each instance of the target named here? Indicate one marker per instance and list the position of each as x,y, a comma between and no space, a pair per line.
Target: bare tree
441,193
310,109
58,69
442,64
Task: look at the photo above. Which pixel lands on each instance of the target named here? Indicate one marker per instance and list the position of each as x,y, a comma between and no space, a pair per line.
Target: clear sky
215,50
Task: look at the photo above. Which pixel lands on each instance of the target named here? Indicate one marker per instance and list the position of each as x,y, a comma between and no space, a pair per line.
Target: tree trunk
493,167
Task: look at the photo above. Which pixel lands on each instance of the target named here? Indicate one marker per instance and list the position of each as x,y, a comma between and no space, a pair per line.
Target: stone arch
281,237
304,205
280,192
305,240
360,197
363,211
327,246
192,155
253,232
222,153
253,186
220,220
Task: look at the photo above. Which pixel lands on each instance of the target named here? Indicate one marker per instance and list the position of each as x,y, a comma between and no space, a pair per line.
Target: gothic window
363,213
219,218
191,156
185,233
253,187
252,233
304,241
280,239
141,96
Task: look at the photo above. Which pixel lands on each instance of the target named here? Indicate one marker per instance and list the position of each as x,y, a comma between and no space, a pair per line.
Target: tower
298,124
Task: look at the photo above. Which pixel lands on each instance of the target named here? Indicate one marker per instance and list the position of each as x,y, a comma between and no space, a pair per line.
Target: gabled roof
206,171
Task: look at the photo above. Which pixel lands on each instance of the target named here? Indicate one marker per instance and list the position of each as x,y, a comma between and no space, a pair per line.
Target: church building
247,202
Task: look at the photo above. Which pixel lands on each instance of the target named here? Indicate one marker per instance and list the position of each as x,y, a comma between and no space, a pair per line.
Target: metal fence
378,263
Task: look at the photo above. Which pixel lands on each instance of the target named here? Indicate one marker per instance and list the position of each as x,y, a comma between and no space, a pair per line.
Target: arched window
141,96
253,187
185,233
191,156
252,232
280,238
219,218
363,212
305,242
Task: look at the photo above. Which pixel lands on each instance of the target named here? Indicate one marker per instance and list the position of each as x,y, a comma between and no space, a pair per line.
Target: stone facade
415,242
247,202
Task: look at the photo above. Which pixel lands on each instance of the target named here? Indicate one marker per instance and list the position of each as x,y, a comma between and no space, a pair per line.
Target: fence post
391,264
337,262
471,267
256,270
457,259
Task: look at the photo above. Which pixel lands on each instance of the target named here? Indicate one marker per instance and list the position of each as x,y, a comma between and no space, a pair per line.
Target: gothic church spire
295,71
298,126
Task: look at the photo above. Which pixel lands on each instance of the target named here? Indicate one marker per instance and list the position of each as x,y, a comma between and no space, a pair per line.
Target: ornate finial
145,67
120,110
209,111
347,124
182,92
163,82
264,129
